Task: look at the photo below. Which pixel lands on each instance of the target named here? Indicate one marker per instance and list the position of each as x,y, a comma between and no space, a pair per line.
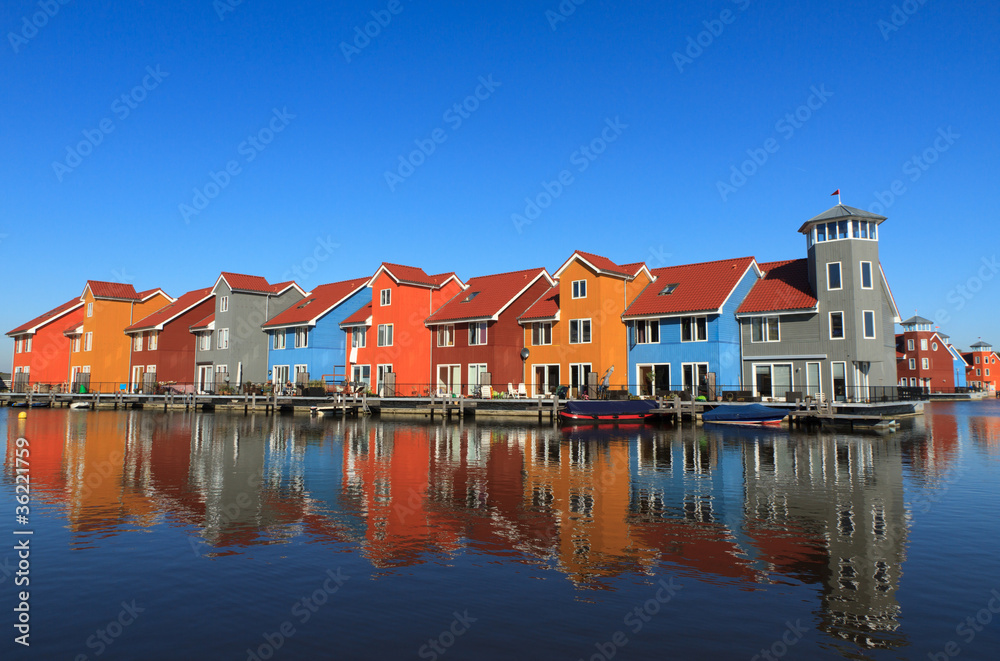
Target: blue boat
747,414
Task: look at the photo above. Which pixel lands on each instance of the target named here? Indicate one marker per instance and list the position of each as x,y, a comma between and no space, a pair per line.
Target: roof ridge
714,261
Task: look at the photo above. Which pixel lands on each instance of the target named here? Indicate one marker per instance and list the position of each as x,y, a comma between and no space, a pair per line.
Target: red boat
607,411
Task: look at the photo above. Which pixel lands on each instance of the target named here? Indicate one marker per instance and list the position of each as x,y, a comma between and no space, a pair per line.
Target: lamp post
524,364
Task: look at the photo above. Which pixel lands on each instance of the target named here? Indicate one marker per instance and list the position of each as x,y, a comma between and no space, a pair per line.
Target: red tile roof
546,307
491,294
633,268
409,274
143,295
115,290
74,329
320,301
602,264
254,283
700,287
48,317
785,286
358,318
282,286
168,312
204,323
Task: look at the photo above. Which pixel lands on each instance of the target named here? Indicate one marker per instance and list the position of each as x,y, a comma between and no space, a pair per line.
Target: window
578,376
579,289
647,332
764,329
541,333
279,340
18,346
361,374
446,336
579,331
925,363
694,329
90,309
88,341
300,373
76,343
154,340
977,360
773,380
833,276
137,342
359,338
913,381
477,334
280,374
27,344
866,275
979,373
385,334
909,345
820,232
913,363
836,325
812,379
869,321
934,346
206,341
301,338
668,289
224,304
223,342
385,296
923,345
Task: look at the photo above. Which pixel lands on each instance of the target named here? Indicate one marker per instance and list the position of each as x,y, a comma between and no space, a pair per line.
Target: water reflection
730,507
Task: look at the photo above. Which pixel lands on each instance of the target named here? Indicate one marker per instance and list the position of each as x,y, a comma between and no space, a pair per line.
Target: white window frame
843,328
578,367
446,335
819,378
864,324
358,374
27,344
771,366
910,345
153,341
359,337
579,289
925,363
222,339
923,344
385,297
647,326
90,309
205,341
137,342
223,304
385,335
76,344
478,334
693,322
18,345
280,341
302,337
545,388
765,328
871,277
88,341
285,369
380,372
540,331
295,371
840,276
579,331
912,364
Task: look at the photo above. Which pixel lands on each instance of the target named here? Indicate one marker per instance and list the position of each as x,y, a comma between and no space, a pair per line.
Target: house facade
231,347
983,364
576,327
389,335
683,331
101,352
824,323
925,359
477,332
305,342
163,349
41,350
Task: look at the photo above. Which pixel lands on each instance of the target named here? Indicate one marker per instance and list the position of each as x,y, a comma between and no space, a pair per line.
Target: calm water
201,536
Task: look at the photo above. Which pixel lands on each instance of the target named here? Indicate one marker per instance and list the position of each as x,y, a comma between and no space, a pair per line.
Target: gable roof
702,287
785,286
166,314
206,323
75,329
601,265
545,308
362,317
118,291
412,275
47,318
840,211
317,303
490,295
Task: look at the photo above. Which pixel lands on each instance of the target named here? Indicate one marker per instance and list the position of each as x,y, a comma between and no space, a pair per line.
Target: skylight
669,289
305,304
471,296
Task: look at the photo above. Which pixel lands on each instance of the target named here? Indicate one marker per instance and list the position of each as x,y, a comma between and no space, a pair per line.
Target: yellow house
576,326
99,345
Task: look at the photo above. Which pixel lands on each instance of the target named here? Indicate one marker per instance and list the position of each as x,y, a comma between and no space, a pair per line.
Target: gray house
231,348
824,323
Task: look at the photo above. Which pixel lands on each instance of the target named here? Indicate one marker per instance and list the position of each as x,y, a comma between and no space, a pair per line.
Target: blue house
682,327
958,364
305,342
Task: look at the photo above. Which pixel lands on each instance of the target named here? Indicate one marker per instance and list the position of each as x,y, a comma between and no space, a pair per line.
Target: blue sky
643,109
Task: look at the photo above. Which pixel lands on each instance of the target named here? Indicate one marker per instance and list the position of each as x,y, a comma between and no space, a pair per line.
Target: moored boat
607,410
747,414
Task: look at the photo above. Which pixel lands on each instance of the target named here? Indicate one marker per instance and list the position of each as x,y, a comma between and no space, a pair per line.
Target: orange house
390,336
576,327
41,351
100,346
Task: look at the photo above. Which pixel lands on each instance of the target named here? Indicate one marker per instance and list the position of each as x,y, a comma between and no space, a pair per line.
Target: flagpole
838,196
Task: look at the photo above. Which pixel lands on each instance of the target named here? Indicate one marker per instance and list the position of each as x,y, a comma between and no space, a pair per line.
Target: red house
41,350
983,365
163,348
389,336
477,331
923,357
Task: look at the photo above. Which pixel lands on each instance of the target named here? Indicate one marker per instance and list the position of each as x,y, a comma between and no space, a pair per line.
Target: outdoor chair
510,390
522,391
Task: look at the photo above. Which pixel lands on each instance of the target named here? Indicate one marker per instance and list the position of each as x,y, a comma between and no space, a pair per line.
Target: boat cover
743,413
610,407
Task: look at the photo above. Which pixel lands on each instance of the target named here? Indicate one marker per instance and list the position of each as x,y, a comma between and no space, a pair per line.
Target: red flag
836,192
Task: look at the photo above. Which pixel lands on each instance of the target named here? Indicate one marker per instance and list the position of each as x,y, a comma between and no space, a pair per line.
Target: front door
449,380
204,378
692,375
136,377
